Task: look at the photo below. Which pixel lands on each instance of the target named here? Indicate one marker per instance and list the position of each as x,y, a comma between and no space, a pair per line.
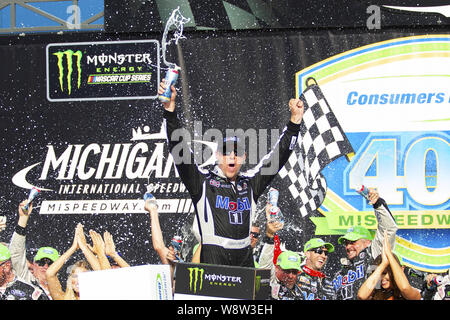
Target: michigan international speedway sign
82,123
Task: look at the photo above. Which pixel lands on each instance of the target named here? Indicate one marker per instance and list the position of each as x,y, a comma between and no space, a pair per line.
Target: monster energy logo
195,274
69,54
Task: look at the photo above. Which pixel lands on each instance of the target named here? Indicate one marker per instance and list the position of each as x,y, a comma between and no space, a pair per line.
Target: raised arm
178,138
267,252
297,109
17,245
82,244
170,105
110,250
264,172
365,292
54,286
157,237
98,247
406,290
386,223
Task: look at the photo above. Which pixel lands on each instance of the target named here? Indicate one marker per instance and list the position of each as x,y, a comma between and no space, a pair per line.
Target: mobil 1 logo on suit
235,208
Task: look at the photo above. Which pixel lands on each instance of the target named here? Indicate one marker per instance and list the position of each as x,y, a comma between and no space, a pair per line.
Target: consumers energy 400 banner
392,99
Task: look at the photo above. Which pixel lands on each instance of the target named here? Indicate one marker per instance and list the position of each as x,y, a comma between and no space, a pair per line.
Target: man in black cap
223,198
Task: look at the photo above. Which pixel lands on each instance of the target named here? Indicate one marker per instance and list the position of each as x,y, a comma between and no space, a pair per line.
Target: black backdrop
145,16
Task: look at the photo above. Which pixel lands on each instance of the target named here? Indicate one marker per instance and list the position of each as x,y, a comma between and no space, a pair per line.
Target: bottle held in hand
364,191
33,193
176,244
169,80
152,198
275,213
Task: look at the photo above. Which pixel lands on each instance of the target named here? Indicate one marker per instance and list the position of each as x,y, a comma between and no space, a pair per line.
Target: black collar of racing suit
218,172
313,273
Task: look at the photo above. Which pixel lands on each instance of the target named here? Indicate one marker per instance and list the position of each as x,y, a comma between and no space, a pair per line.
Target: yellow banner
421,219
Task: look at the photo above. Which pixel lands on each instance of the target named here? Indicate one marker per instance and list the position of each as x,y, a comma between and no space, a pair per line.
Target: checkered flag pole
322,141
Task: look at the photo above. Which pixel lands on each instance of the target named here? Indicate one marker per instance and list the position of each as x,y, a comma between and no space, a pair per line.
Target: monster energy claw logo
195,274
69,54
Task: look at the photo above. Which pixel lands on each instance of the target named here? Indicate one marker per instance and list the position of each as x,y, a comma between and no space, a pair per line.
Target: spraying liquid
176,20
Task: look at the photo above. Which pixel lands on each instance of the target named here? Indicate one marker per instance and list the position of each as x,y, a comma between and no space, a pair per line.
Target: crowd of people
226,235
21,279
370,269
229,242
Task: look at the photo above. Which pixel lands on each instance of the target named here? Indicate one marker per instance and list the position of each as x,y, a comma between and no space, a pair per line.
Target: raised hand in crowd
394,283
399,277
373,196
82,243
31,272
72,290
167,255
98,248
110,250
272,227
267,252
171,255
157,238
24,215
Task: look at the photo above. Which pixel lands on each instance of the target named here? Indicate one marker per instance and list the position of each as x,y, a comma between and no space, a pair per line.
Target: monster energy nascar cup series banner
102,70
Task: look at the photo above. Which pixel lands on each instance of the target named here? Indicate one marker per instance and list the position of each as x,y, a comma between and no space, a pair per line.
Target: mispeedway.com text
226,309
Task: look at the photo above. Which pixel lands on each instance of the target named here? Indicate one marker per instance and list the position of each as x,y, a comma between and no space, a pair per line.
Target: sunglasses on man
320,251
346,242
44,261
254,234
233,147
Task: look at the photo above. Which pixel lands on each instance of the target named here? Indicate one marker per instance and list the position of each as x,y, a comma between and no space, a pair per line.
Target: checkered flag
322,141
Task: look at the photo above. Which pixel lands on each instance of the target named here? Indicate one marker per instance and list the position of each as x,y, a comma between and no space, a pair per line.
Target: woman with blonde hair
97,261
72,289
